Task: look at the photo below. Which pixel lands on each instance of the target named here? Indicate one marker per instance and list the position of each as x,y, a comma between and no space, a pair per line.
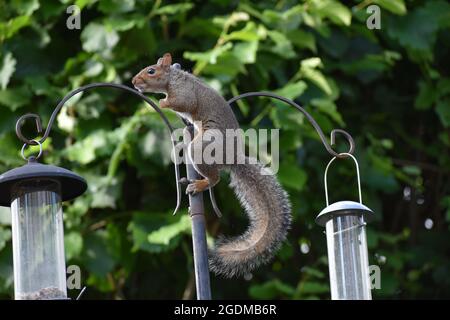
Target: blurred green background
390,88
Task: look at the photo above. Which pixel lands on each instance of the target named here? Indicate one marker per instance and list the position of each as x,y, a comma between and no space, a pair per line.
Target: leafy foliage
390,88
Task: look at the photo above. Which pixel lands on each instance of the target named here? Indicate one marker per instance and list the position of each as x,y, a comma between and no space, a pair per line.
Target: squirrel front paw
197,186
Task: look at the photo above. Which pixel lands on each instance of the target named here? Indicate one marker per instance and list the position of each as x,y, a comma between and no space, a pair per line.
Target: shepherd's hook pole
197,214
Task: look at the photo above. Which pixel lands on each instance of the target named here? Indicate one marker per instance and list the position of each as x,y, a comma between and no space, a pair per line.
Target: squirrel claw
197,186
190,189
185,181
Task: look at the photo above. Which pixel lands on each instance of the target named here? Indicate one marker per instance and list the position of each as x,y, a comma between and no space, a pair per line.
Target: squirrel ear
159,61
166,60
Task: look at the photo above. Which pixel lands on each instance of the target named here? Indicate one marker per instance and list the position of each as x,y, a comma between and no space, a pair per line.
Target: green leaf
25,7
308,70
148,230
5,236
5,216
15,98
173,9
311,63
226,67
283,47
93,68
8,146
312,287
426,97
411,31
292,90
39,85
372,239
96,256
83,3
246,51
284,20
292,176
97,38
371,66
165,234
285,116
443,111
302,39
328,107
412,170
333,10
443,86
116,6
11,27
394,6
6,270
84,151
248,33
317,78
208,56
271,290
390,239
387,144
64,120
445,204
313,272
7,68
105,191
73,244
100,282
441,11
118,23
231,20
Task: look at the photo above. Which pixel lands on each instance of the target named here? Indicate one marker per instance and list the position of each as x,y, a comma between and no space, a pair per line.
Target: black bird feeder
35,193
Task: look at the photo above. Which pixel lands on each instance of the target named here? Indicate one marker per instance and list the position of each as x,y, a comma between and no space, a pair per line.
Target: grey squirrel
265,202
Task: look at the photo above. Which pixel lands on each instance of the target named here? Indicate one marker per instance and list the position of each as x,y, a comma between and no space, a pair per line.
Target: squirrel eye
151,71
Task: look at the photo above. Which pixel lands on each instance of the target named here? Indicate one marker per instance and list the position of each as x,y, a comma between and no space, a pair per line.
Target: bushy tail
269,211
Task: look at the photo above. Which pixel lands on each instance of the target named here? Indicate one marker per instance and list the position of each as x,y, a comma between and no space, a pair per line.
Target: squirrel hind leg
211,175
197,186
210,172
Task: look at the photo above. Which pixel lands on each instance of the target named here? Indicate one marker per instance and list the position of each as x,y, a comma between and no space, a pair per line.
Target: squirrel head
154,78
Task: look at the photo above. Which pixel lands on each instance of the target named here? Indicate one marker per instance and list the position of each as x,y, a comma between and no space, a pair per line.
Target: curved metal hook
350,141
313,122
85,88
325,181
20,121
211,189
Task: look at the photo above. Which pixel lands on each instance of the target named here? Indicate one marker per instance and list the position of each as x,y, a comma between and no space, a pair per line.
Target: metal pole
197,214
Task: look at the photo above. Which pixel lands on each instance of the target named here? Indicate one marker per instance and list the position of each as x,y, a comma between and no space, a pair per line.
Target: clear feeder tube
38,241
348,260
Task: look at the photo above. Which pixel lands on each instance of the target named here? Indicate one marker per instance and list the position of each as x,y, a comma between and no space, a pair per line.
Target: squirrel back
190,96
265,202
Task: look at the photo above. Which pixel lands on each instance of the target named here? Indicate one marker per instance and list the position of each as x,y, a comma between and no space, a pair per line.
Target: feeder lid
344,208
72,185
